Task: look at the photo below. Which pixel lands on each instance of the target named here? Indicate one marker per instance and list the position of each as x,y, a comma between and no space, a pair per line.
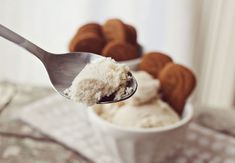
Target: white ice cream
154,114
98,79
143,110
147,89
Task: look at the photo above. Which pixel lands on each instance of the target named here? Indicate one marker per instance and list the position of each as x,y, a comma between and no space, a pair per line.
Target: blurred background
197,33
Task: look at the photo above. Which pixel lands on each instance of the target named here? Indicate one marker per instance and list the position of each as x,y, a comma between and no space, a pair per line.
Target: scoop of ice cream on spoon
100,81
63,68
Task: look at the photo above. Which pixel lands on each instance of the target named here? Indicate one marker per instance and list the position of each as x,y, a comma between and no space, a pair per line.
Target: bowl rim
187,117
131,61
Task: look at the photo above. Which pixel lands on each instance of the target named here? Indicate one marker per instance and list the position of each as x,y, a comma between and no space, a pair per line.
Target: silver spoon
62,68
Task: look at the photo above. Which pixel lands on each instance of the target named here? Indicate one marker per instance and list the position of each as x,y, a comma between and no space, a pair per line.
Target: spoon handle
22,42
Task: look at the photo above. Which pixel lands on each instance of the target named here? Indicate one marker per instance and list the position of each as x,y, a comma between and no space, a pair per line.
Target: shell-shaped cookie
177,83
153,62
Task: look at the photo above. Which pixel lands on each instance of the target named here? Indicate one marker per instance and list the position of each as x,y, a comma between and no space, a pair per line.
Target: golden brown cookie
90,28
153,63
120,51
131,34
114,29
177,83
87,42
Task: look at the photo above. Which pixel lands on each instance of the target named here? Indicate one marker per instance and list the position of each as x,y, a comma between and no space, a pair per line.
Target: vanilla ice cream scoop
153,114
147,89
100,79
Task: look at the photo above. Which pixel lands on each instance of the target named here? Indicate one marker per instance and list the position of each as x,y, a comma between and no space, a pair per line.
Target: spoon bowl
132,85
63,68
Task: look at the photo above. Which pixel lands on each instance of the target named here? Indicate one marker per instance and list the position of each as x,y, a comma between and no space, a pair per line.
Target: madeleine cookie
87,42
177,82
90,28
114,29
120,51
131,34
154,62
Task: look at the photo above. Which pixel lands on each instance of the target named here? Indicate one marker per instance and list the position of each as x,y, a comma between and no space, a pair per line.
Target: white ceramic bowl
131,145
133,63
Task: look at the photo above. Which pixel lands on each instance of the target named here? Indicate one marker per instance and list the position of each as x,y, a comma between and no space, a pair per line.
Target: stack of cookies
114,39
177,81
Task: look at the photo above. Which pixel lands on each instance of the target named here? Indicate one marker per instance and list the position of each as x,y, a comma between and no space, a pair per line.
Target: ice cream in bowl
142,129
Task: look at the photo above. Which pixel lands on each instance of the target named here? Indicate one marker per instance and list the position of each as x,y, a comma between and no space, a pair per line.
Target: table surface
18,142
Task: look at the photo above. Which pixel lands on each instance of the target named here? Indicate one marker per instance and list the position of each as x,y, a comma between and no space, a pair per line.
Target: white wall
215,54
